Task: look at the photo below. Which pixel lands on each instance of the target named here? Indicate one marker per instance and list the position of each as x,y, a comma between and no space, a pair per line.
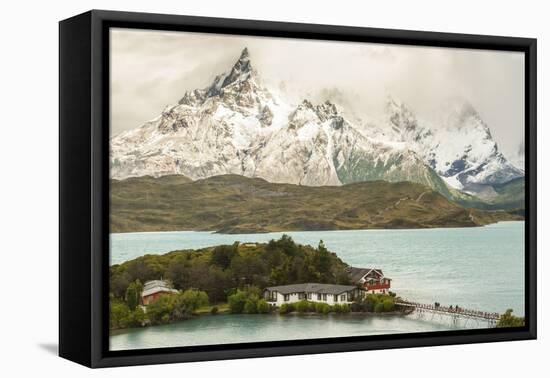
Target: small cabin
153,290
372,280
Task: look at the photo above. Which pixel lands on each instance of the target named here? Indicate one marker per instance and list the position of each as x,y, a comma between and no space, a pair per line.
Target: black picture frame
84,187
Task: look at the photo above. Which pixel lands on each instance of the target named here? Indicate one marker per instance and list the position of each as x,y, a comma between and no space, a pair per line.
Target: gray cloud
150,70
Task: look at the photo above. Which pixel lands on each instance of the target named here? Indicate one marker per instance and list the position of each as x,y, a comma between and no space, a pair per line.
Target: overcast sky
152,69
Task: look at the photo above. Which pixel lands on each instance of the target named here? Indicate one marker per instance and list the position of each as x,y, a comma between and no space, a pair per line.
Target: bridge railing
451,310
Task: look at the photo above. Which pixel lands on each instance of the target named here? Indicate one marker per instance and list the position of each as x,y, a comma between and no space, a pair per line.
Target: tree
160,311
119,314
198,275
244,301
247,269
137,317
237,302
141,269
178,273
119,282
250,305
217,283
193,299
324,264
509,320
223,254
133,294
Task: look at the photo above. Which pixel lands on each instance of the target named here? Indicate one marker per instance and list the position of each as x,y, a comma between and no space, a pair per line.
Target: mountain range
238,126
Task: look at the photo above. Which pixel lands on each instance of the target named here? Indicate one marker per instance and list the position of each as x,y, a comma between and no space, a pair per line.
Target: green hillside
511,194
507,196
237,204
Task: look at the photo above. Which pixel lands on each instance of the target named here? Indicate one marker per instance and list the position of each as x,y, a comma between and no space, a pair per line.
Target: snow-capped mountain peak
237,126
239,80
459,146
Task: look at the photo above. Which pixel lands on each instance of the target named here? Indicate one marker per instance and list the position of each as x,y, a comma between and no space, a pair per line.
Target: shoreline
248,232
357,314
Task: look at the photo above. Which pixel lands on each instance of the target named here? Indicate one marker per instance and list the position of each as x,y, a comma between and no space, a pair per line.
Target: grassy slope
236,204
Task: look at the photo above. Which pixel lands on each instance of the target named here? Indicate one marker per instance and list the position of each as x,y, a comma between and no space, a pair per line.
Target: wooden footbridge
455,313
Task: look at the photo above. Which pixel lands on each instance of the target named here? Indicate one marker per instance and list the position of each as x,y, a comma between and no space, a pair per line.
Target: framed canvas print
234,188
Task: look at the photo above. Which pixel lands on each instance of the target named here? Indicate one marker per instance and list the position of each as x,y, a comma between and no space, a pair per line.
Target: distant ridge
237,204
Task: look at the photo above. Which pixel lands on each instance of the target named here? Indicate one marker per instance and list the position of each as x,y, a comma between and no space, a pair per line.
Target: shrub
302,306
250,305
322,308
337,308
311,307
509,320
184,304
370,302
379,307
237,302
119,314
244,301
159,311
214,310
356,307
137,317
262,307
192,299
388,305
319,307
345,308
286,308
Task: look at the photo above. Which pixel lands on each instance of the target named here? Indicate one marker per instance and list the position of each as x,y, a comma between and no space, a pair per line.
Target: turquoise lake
479,268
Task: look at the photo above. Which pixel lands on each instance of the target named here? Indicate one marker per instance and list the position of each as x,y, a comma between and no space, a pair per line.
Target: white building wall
378,291
293,298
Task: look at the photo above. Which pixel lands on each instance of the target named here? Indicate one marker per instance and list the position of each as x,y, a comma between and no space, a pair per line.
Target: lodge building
314,292
153,290
365,281
371,280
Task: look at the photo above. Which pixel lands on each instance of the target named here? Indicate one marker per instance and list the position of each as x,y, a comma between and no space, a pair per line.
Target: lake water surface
479,268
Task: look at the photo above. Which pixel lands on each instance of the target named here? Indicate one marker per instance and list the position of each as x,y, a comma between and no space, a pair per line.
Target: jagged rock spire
244,54
241,70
